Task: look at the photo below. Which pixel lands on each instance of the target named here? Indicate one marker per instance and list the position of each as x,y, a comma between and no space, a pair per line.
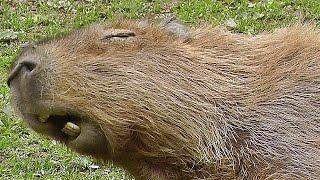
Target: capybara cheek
91,141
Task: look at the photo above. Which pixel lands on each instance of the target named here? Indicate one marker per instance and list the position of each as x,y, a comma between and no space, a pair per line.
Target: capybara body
166,102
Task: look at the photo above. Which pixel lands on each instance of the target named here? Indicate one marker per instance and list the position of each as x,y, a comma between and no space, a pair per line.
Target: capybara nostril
26,66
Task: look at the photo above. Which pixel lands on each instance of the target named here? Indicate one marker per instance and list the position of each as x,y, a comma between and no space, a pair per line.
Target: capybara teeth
71,129
44,117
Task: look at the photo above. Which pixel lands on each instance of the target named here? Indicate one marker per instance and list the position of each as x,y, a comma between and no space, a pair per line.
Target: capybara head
167,102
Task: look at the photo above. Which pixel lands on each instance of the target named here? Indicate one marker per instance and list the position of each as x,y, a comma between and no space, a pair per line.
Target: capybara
166,101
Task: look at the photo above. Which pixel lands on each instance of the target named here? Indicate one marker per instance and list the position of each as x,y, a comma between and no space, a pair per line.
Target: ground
27,155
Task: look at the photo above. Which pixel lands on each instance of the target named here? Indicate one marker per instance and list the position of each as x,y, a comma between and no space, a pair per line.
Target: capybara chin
164,101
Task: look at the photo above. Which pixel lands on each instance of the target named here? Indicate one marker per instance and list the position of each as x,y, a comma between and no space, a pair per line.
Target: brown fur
210,105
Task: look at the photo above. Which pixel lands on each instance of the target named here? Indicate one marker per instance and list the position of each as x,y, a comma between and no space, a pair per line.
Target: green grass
25,154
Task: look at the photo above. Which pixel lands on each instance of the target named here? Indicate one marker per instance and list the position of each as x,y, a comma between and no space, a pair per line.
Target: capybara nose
24,67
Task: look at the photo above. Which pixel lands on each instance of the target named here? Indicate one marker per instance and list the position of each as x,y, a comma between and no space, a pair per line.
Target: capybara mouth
73,129
63,126
66,123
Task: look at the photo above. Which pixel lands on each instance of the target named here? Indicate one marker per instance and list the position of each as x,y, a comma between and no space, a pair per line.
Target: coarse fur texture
167,102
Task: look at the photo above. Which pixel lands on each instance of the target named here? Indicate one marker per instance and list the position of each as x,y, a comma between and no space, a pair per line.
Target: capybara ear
118,35
176,27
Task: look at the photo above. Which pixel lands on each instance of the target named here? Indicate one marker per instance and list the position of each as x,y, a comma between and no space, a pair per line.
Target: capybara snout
165,101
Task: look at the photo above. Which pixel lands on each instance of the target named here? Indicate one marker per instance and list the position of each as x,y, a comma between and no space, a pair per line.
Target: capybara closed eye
165,101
